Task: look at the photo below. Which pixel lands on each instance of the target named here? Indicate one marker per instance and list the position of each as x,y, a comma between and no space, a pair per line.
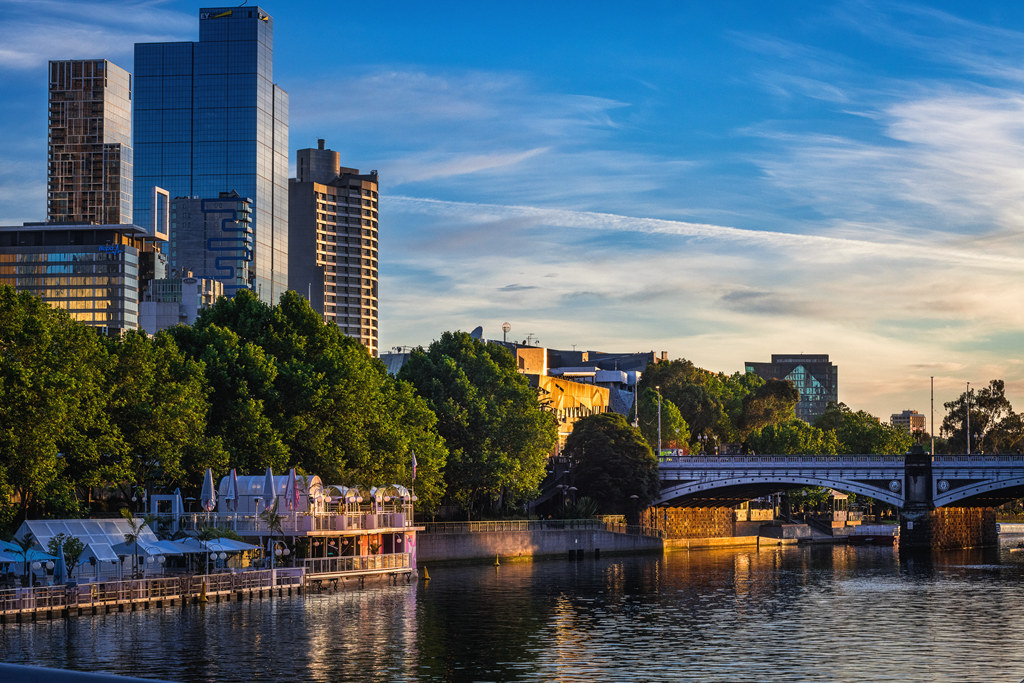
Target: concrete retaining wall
442,547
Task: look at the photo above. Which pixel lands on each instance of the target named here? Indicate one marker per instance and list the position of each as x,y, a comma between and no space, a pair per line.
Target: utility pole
658,388
968,404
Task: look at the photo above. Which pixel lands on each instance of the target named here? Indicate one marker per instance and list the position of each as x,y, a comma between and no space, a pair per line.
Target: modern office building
89,169
213,238
208,119
813,375
332,244
909,420
91,271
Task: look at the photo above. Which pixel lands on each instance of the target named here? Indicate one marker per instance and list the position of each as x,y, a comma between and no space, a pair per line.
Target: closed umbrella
208,497
231,497
291,493
269,495
179,504
60,567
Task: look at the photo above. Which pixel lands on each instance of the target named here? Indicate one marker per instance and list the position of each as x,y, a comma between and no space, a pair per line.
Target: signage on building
111,249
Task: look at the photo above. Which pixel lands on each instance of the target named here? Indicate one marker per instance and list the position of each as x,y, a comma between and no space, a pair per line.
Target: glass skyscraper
208,119
813,375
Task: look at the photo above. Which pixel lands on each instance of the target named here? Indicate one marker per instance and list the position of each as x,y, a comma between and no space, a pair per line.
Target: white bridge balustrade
727,480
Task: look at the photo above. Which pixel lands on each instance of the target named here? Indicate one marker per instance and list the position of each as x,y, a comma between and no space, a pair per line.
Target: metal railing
356,563
290,522
514,525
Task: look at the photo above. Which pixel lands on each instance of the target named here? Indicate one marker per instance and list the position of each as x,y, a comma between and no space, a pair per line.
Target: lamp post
658,389
968,410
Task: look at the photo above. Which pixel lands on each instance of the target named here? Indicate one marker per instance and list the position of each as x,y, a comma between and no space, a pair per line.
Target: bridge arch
734,490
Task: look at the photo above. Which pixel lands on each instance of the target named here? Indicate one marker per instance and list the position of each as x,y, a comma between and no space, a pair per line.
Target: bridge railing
703,461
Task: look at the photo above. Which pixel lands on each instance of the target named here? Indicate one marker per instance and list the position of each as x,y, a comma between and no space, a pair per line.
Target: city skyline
722,183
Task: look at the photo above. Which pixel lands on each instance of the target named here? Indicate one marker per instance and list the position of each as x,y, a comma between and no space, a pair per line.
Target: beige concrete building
910,420
332,242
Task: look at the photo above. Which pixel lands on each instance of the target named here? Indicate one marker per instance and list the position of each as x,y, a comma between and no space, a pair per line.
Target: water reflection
817,613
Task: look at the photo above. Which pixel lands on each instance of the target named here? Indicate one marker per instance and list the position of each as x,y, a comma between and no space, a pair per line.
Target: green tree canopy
497,434
610,462
721,409
794,437
862,433
158,402
53,428
994,425
675,433
311,398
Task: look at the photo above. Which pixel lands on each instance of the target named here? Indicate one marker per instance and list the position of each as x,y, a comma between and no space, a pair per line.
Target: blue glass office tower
209,119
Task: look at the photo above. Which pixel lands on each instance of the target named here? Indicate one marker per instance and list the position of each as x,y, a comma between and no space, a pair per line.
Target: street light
658,389
968,430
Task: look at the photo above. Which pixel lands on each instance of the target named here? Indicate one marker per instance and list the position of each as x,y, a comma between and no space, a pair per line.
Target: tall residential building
209,119
909,420
332,245
89,169
813,375
213,239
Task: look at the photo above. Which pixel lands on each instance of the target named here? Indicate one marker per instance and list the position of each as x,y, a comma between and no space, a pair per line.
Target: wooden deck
48,602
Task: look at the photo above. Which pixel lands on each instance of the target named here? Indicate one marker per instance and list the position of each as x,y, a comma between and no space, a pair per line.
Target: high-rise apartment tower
209,119
89,173
332,246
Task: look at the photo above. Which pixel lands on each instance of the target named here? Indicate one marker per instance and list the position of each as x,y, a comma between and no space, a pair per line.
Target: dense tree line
248,386
497,434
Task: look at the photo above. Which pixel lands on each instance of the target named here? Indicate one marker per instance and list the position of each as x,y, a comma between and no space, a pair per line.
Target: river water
808,613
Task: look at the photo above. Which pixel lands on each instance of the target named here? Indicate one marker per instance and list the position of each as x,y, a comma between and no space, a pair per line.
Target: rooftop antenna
505,327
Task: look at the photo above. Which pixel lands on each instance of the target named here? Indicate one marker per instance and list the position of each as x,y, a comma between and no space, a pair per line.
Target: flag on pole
414,465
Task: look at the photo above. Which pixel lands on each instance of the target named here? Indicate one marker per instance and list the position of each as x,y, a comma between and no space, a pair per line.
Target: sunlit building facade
91,271
89,166
813,375
208,119
332,248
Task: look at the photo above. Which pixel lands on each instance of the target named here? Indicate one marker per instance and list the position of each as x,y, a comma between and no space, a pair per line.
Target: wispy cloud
35,31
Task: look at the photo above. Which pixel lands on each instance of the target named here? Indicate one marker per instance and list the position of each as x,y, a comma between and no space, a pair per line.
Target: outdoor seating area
245,525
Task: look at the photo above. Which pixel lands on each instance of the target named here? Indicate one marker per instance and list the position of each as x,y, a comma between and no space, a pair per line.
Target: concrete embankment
526,542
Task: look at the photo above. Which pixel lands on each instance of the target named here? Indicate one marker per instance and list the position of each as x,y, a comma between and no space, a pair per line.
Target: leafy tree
73,549
311,398
25,545
497,434
992,420
158,401
862,433
720,409
767,402
135,526
52,408
675,433
241,378
610,462
794,437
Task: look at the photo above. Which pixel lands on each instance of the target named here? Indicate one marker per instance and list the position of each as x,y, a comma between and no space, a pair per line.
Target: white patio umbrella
291,492
208,496
231,497
269,494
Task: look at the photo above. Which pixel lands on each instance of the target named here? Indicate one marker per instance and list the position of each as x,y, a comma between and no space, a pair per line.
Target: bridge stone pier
945,501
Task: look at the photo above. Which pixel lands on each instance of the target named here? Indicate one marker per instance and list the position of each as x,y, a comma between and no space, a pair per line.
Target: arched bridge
941,480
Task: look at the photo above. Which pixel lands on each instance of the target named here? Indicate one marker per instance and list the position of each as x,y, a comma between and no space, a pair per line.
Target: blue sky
721,181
